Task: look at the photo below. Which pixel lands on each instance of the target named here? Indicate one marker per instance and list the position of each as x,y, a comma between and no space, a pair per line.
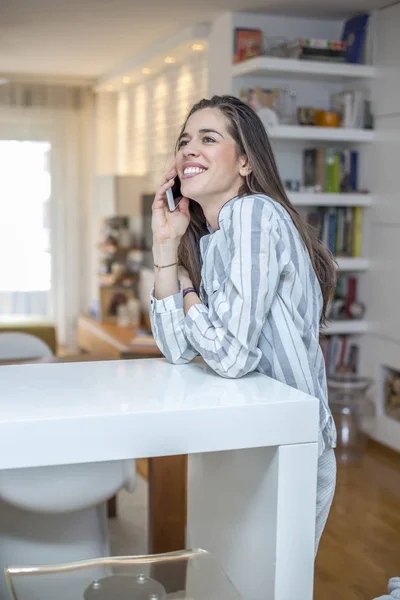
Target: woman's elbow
237,370
231,374
176,360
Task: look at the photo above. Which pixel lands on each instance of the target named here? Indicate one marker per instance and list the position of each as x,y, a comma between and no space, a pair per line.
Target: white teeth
193,170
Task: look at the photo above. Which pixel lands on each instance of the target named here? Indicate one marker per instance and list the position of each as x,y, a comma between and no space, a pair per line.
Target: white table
253,447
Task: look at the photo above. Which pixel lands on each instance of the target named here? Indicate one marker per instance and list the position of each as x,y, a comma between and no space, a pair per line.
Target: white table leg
254,511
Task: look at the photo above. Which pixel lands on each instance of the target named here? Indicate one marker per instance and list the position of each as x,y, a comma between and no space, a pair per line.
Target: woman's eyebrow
208,130
203,130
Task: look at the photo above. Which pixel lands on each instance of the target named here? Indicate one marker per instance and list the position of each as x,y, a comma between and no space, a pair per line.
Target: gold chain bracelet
159,267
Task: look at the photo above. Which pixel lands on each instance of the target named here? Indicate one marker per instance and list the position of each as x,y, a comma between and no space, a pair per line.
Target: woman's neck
212,207
211,213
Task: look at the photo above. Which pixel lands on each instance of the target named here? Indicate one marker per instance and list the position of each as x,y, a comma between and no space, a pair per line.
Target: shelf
352,264
332,134
345,327
289,67
312,199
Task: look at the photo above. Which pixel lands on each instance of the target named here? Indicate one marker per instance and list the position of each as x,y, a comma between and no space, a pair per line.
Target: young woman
239,277
393,589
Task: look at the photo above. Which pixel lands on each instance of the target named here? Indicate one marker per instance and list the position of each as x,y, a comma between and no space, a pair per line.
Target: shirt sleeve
167,319
226,333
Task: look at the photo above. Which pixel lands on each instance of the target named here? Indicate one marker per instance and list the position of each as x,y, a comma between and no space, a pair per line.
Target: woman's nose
190,149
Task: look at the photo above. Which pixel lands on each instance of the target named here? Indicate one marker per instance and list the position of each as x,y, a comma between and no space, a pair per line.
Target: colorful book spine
341,354
330,171
357,229
339,229
331,182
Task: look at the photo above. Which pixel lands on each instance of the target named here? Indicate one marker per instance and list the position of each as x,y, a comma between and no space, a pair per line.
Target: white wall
383,344
138,126
220,54
105,133
135,134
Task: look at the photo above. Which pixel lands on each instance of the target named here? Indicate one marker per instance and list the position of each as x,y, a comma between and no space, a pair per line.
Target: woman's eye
208,139
182,143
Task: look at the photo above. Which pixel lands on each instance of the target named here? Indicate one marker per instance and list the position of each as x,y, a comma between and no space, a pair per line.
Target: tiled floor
128,532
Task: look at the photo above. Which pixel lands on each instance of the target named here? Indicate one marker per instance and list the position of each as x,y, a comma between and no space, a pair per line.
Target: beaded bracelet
188,291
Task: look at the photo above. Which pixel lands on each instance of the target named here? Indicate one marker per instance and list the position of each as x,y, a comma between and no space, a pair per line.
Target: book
329,170
320,49
354,36
358,211
351,106
248,43
339,229
341,354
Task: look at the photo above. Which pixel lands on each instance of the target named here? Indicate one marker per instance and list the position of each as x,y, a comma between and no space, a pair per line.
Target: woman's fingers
183,206
163,188
171,174
159,199
169,181
158,205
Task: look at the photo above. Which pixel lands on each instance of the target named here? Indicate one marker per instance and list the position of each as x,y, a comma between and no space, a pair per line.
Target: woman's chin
195,197
191,191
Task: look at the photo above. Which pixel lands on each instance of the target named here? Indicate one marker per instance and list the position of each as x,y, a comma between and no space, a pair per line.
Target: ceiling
88,37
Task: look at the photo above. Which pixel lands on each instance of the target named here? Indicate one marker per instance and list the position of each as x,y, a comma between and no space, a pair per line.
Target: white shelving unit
350,327
352,264
321,134
290,140
311,199
267,65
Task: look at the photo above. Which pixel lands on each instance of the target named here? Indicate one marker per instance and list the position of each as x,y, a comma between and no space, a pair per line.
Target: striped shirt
261,305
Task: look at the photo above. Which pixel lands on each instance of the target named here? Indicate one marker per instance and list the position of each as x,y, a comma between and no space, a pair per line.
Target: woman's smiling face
207,161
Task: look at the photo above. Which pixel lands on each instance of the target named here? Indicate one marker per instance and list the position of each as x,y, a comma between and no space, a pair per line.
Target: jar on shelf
352,411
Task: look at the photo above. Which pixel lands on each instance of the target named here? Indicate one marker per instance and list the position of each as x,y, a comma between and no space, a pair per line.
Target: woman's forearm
167,316
189,300
166,278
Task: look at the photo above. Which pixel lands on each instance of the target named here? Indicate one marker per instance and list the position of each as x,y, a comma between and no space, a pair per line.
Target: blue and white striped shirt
261,305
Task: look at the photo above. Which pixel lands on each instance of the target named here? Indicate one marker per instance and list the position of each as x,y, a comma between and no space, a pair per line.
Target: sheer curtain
58,120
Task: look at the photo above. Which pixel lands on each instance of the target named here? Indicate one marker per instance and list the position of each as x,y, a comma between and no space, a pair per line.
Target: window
25,188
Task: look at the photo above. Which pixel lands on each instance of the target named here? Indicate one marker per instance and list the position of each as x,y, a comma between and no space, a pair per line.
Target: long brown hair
252,141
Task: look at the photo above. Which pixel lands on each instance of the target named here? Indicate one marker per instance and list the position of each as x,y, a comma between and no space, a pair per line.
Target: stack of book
329,170
341,354
351,106
321,49
339,229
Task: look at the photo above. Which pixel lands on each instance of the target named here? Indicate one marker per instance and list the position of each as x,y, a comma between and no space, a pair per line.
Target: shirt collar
226,205
210,229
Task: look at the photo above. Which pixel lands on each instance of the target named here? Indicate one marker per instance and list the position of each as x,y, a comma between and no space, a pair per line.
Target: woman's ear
244,167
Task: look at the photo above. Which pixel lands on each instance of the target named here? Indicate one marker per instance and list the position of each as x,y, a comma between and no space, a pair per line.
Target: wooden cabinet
122,342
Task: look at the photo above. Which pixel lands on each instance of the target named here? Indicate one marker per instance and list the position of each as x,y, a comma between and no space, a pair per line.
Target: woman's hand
168,227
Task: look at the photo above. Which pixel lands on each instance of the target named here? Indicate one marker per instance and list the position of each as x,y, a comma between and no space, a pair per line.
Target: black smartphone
174,194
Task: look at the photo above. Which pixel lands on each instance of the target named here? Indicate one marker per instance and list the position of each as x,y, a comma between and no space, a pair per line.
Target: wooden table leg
167,503
112,507
167,517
